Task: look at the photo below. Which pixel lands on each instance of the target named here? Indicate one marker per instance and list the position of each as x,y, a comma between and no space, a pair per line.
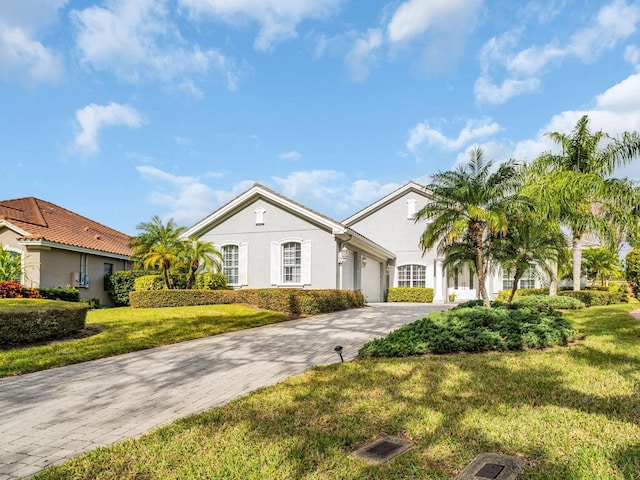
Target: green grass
119,330
572,412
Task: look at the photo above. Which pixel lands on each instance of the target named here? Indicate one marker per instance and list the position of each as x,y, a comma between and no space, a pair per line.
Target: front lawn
573,412
113,331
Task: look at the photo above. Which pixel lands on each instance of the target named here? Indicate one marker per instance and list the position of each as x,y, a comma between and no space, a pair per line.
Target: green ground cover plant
475,329
573,413
114,331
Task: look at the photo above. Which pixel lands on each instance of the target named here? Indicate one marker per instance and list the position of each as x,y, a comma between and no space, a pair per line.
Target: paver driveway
50,416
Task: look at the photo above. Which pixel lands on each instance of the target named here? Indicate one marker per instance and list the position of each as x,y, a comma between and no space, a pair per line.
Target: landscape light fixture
338,350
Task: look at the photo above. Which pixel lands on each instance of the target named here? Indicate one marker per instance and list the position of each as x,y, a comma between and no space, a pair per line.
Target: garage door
370,275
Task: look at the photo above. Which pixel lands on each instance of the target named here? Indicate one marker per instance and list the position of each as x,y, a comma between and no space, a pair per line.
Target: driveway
50,416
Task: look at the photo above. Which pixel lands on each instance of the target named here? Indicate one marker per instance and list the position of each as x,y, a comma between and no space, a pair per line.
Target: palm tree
469,206
10,266
531,242
158,245
200,254
582,175
600,262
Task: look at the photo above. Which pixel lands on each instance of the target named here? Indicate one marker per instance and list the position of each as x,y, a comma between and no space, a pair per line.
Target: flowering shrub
17,290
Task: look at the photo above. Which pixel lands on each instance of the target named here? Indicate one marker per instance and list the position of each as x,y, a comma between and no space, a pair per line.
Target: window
230,263
412,276
528,279
107,271
291,262
83,281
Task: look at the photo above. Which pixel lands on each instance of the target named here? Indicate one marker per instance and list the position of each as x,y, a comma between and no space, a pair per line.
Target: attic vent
260,216
98,237
411,209
86,229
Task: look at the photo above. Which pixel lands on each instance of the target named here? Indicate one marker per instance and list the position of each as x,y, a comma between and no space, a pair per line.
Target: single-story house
59,247
268,240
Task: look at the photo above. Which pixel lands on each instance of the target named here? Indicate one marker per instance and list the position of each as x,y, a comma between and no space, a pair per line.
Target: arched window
291,262
230,263
412,276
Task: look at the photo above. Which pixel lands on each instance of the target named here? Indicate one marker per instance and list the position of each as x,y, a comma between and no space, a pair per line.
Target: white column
438,295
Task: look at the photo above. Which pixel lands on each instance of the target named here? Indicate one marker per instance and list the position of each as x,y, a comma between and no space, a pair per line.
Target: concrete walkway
50,416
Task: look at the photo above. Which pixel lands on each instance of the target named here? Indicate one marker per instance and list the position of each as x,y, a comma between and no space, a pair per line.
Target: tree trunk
477,232
516,278
576,255
553,283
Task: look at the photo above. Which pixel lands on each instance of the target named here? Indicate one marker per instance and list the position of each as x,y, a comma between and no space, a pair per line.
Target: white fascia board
277,199
11,226
384,201
72,248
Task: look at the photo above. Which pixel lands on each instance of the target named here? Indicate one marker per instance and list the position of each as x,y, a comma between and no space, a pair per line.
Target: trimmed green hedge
120,284
503,295
593,298
410,294
296,302
66,294
475,329
35,323
562,302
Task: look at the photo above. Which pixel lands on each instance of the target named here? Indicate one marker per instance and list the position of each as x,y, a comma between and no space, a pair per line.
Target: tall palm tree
200,254
158,245
531,242
469,205
582,173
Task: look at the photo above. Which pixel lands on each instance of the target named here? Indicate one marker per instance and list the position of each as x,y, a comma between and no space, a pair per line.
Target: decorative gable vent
260,216
411,209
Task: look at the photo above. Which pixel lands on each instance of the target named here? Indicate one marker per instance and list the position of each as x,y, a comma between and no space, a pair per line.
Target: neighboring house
59,247
268,240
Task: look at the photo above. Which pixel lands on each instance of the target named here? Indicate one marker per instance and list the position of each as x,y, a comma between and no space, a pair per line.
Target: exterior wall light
363,261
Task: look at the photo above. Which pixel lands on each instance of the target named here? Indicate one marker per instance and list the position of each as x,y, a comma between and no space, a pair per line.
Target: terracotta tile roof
47,221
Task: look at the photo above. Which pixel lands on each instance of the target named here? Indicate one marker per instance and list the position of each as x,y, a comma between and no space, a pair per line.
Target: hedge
119,284
294,302
503,295
67,294
592,298
35,323
562,302
149,282
13,289
410,294
633,271
210,281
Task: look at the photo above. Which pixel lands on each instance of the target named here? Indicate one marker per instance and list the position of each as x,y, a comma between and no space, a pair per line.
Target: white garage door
370,281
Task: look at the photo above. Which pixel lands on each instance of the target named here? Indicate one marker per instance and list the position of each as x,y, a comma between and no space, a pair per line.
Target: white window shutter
243,264
217,260
275,263
306,262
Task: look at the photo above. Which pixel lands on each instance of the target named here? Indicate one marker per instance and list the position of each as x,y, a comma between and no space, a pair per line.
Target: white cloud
364,192
136,40
23,57
278,19
308,184
414,17
632,55
523,69
185,197
292,155
423,134
362,54
93,118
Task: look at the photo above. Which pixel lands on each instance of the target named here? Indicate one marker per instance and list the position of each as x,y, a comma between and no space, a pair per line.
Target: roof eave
63,246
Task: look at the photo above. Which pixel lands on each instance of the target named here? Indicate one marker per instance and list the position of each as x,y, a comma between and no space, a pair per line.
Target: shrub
119,284
592,298
14,289
475,329
408,294
154,281
35,323
633,271
210,281
297,302
550,301
503,295
478,303
66,294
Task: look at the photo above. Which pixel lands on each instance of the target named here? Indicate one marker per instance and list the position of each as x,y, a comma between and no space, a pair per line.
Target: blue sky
122,109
